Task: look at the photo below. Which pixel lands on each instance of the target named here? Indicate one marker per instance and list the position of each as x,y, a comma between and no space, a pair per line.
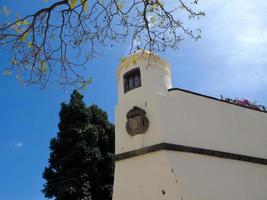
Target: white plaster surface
209,178
187,176
147,177
197,121
186,119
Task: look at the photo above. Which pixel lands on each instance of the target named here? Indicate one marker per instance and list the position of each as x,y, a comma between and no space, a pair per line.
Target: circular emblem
137,122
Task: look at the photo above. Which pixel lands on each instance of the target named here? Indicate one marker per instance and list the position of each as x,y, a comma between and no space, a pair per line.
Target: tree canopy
48,45
81,160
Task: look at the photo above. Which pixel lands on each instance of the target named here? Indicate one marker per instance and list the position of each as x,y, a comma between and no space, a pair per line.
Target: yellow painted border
132,60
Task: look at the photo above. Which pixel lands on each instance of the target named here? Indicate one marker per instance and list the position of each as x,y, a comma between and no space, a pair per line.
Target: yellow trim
132,60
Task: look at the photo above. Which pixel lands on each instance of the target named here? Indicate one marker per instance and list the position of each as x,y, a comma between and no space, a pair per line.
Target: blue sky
230,59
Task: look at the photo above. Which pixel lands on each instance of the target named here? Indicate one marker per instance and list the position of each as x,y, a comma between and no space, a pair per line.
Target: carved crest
137,121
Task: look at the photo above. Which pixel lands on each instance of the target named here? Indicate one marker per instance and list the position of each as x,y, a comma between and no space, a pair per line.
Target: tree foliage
81,159
55,42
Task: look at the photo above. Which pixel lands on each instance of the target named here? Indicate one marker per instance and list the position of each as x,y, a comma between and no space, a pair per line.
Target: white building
174,144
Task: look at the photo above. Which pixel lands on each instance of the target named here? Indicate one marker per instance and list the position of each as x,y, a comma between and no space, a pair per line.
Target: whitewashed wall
197,121
182,118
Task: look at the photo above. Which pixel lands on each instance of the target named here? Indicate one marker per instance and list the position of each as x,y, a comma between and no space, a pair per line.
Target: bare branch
47,46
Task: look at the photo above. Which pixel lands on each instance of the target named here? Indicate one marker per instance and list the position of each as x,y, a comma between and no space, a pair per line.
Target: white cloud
235,43
231,58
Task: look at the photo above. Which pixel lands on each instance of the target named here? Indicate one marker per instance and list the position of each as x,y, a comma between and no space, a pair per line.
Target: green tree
81,160
51,43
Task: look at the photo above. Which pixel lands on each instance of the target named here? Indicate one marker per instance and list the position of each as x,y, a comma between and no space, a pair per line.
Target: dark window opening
132,79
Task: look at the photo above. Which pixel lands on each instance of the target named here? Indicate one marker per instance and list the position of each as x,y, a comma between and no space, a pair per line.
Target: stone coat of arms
137,122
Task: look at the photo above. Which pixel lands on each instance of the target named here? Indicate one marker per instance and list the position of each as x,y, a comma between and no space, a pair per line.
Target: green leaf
19,23
24,36
7,73
120,5
154,7
85,5
25,22
153,20
73,3
29,44
16,29
43,67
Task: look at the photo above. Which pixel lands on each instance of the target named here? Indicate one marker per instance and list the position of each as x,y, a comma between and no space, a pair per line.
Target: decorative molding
213,98
188,149
137,122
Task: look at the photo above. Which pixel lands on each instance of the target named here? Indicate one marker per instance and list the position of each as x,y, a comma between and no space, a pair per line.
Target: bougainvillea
246,103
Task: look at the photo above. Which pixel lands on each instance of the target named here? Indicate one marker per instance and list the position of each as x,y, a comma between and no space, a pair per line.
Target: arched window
132,79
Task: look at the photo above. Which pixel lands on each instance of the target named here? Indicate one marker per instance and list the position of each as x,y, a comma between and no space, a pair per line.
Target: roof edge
213,98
